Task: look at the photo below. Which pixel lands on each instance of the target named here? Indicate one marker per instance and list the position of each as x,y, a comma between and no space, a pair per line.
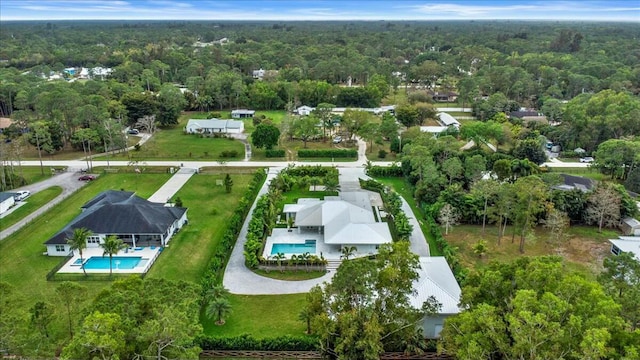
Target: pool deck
282,236
146,253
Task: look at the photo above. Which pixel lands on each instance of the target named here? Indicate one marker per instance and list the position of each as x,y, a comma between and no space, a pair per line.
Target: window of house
615,250
93,240
60,248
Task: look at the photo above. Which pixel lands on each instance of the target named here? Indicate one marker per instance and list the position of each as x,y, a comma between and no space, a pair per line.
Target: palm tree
217,291
305,257
112,245
279,256
79,242
347,252
293,260
218,308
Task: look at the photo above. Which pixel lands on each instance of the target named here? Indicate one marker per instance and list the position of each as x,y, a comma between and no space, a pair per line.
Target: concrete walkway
240,280
69,183
419,245
171,187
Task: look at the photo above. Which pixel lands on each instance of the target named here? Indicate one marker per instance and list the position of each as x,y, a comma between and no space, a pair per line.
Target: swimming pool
119,262
287,249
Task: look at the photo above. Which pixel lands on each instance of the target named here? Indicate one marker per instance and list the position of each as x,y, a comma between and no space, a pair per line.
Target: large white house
331,224
136,221
212,126
436,280
630,244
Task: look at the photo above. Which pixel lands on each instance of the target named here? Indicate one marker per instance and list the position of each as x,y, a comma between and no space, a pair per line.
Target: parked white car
21,195
337,139
587,159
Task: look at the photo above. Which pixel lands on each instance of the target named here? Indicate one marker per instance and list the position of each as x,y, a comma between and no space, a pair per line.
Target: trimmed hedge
384,171
215,269
229,154
316,170
328,153
274,153
247,342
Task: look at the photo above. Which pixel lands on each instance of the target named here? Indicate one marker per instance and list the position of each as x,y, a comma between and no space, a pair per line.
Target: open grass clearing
210,208
373,152
21,261
583,247
584,172
402,187
33,203
30,174
67,153
174,144
262,316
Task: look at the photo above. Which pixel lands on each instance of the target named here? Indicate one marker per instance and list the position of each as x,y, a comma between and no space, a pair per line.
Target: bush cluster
384,171
229,154
215,269
328,153
247,342
274,153
259,226
302,171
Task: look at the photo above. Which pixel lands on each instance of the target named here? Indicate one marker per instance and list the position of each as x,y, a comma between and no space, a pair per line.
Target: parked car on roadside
86,178
337,139
21,195
587,159
133,132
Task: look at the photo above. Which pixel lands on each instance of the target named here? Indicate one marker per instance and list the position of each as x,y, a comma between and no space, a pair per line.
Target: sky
605,10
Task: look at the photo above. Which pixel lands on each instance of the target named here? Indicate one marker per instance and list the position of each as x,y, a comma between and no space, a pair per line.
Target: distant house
437,280
304,110
571,182
444,96
447,120
630,244
6,201
213,126
258,74
528,115
630,226
136,221
242,113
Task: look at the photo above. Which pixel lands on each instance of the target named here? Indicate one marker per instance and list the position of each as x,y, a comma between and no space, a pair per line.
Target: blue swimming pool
119,262
288,249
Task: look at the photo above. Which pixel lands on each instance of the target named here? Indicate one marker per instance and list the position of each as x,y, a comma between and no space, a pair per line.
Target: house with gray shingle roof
214,126
136,221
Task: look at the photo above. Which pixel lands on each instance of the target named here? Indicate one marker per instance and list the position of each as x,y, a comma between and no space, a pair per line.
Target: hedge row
384,171
274,153
327,153
247,342
450,253
259,226
229,154
302,171
215,269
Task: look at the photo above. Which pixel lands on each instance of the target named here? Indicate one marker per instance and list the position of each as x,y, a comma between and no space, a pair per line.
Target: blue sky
611,10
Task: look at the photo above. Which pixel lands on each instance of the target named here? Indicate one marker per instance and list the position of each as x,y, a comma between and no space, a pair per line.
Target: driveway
69,183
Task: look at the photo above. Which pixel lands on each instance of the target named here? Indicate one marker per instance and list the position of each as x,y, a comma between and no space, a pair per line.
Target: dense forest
584,77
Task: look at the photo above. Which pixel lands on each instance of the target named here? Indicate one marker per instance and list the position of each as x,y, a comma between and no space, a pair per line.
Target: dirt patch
584,251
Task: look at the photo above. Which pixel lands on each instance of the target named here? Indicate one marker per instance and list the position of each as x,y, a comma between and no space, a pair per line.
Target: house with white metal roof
212,126
334,222
242,113
436,280
447,120
629,244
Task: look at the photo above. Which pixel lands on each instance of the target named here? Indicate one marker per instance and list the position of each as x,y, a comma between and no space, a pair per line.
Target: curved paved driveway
240,280
69,183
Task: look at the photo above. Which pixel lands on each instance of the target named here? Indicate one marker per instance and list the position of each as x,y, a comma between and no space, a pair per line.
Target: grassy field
21,261
262,316
583,247
372,153
584,172
31,174
34,202
68,153
403,188
210,207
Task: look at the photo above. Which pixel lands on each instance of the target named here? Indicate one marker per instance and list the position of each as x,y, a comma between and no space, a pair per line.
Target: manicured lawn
210,208
292,196
583,248
405,190
584,172
34,202
174,144
262,316
21,261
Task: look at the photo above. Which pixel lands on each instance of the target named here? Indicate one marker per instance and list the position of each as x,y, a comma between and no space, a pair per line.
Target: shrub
136,147
384,171
247,342
382,154
229,154
274,153
327,153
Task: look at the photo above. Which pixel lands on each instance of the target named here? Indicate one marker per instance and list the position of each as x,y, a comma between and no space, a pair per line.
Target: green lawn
262,316
403,188
31,174
584,172
34,202
210,207
290,275
21,261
